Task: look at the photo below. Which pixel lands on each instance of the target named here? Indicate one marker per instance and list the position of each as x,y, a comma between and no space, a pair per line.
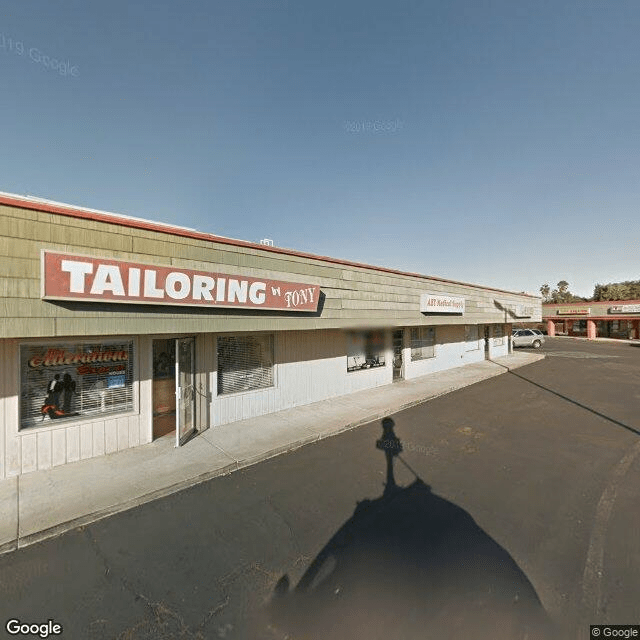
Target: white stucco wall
310,366
500,346
451,351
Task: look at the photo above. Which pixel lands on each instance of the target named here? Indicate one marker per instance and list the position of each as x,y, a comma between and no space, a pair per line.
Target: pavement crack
162,615
163,623
212,613
93,542
287,524
592,596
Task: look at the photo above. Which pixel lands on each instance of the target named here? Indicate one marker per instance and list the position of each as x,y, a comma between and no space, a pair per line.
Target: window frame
498,335
368,348
426,343
474,344
273,341
78,343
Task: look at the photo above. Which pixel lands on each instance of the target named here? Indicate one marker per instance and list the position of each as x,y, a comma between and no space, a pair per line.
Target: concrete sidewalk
43,504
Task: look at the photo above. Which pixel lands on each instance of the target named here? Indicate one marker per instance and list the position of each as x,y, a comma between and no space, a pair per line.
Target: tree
563,291
598,292
560,294
627,290
545,290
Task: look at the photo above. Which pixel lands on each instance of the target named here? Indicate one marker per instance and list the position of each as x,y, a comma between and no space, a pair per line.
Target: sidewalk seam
218,447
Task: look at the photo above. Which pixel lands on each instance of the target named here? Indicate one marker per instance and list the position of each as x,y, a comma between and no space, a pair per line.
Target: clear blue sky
500,144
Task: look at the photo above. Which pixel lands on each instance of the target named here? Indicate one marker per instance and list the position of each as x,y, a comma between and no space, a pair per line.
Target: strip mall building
608,319
115,331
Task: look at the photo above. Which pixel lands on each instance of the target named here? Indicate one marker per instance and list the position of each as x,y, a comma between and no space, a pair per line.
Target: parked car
539,332
527,338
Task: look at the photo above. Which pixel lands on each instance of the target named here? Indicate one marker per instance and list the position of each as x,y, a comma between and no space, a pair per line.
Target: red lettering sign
71,277
60,357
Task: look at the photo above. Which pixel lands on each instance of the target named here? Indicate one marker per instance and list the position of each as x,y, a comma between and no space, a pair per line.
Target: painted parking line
578,354
594,565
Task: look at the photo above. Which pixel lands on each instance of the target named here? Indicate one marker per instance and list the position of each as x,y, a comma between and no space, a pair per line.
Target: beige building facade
603,319
115,331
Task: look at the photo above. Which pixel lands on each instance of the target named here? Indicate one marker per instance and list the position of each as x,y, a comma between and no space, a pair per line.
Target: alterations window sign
72,277
431,303
74,380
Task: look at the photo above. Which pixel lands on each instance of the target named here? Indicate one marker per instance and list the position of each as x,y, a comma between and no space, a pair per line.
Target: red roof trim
577,317
209,237
611,303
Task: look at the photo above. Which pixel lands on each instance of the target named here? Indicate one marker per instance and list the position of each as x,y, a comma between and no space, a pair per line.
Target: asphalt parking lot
503,510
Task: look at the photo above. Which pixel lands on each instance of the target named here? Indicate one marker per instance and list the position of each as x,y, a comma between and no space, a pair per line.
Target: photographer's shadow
406,566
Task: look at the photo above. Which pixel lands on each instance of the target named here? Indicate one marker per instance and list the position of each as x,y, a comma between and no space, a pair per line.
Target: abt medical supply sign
430,303
71,277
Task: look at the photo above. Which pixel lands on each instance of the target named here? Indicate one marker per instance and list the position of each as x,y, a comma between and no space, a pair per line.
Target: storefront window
423,341
620,328
72,381
365,350
245,363
471,337
498,335
579,326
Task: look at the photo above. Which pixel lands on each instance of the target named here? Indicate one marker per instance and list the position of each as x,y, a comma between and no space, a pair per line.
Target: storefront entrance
487,340
397,354
174,388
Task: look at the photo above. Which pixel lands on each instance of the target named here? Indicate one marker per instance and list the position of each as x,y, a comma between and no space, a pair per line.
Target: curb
78,523
631,343
83,521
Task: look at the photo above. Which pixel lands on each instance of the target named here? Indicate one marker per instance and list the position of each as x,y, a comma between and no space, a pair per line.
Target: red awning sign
72,277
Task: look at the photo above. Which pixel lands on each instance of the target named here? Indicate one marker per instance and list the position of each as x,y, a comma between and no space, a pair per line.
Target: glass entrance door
398,336
164,387
185,389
